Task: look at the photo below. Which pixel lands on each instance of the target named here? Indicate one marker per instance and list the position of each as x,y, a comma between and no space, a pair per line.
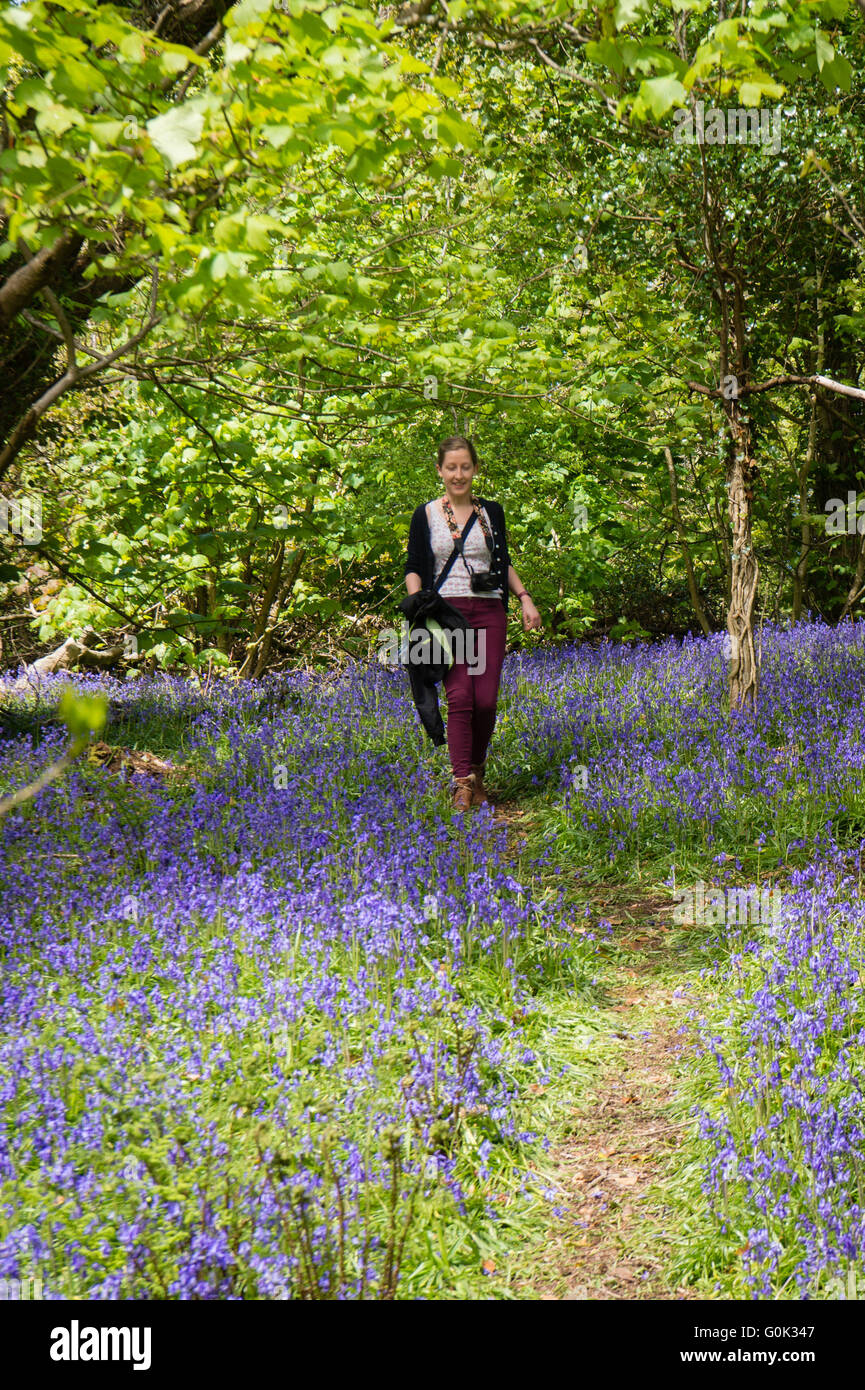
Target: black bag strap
455,553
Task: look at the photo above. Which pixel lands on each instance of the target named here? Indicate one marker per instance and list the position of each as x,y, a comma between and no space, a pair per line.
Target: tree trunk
745,570
251,662
735,368
267,638
858,582
800,573
696,603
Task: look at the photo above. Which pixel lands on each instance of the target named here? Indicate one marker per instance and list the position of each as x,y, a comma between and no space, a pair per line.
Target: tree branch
44,779
26,427
21,287
828,384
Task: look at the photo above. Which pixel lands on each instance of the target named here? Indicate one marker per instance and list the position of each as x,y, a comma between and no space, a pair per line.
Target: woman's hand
531,617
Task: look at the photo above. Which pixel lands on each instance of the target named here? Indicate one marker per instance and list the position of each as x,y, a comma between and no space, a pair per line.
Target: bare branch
201,49
839,387
43,780
21,287
65,328
26,427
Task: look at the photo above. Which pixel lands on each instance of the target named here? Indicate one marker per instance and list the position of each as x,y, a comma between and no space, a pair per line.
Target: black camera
480,583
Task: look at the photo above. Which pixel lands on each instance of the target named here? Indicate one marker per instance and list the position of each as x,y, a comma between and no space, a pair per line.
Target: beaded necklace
455,530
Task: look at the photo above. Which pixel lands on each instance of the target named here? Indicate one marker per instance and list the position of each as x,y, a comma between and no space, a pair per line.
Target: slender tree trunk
717,525
858,582
745,574
267,638
683,545
740,470
250,663
800,573
722,527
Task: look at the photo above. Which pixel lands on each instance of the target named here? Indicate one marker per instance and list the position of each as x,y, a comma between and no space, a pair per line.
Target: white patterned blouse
457,584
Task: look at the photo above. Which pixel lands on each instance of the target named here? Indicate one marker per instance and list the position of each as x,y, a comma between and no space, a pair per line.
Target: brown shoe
479,791
462,793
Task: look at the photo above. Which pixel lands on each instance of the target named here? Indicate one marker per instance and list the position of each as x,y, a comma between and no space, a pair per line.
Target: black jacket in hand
424,674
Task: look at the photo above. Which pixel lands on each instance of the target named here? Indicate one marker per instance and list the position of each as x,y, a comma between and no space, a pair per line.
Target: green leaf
824,50
20,18
235,52
82,714
757,87
281,135
627,11
247,11
55,119
607,52
660,93
174,134
838,73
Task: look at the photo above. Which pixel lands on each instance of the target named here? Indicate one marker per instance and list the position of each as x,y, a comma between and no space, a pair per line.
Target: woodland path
626,1128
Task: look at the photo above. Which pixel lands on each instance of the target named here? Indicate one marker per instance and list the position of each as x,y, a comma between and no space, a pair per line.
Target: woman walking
477,583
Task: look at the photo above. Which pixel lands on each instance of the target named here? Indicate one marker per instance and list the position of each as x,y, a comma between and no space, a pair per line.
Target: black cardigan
420,559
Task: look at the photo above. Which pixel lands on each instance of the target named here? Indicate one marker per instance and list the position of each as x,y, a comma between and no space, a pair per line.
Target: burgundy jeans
472,698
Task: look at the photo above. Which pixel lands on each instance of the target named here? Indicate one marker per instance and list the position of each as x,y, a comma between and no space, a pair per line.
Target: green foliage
360,238
83,715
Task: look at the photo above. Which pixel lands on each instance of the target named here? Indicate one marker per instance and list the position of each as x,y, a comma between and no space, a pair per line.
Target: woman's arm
413,582
531,616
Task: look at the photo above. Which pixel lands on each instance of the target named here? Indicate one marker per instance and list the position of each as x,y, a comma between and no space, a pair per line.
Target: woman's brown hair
450,446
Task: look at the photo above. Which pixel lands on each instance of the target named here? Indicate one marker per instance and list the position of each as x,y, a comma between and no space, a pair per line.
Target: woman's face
457,472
